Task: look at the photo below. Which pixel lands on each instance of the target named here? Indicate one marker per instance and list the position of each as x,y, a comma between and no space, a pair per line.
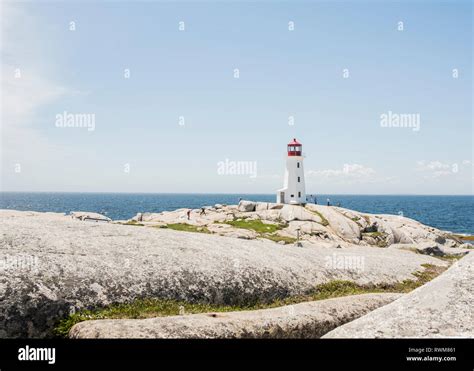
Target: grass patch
264,230
278,238
186,228
412,249
255,225
337,288
379,238
450,257
374,234
324,222
431,271
138,309
447,257
367,219
133,222
148,308
463,238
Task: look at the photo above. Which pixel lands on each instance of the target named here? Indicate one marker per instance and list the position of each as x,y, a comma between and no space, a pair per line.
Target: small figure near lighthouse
293,191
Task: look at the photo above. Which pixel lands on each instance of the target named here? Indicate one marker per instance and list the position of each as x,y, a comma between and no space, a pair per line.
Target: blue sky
138,144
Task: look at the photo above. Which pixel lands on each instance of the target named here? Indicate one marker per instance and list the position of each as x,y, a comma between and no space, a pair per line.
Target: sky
204,96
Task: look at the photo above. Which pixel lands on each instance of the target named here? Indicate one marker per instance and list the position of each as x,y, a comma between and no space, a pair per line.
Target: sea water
449,213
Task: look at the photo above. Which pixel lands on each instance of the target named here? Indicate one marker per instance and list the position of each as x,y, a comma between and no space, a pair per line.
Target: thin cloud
437,169
25,89
347,171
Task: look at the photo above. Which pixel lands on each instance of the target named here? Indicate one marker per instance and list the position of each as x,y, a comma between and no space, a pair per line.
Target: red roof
294,143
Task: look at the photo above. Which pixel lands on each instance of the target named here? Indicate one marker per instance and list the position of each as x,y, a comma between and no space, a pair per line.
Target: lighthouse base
280,199
284,197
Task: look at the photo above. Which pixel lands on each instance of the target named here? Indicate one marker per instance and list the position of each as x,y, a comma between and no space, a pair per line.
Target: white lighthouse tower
293,191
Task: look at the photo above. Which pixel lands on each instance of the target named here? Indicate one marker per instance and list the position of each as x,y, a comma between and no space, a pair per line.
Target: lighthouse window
298,165
299,194
292,195
299,180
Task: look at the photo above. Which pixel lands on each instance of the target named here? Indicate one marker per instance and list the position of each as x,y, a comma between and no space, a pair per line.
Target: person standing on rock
189,214
329,202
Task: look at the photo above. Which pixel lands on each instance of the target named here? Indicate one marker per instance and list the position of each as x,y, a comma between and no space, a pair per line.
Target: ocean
449,213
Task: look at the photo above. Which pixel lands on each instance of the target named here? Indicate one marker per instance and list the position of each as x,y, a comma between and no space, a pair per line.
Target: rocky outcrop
247,206
260,206
299,321
441,308
53,265
435,249
227,231
316,224
87,216
430,249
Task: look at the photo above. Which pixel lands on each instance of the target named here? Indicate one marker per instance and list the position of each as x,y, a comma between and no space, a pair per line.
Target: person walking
203,211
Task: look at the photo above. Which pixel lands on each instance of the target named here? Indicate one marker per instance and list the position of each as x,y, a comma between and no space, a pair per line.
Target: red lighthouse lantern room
294,148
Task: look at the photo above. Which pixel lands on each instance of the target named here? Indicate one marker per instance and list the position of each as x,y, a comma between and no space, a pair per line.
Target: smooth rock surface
59,265
322,225
88,216
247,205
298,321
444,307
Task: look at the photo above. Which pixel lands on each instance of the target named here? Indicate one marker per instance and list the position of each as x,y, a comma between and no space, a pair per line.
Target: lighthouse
293,191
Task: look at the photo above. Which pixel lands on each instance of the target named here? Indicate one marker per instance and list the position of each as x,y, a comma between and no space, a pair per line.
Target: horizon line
235,193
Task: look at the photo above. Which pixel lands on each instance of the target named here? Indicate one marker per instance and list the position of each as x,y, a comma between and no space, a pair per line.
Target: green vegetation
450,257
431,271
147,308
255,225
463,238
142,308
133,222
278,238
411,248
355,218
324,222
267,231
367,219
379,238
264,230
186,227
374,234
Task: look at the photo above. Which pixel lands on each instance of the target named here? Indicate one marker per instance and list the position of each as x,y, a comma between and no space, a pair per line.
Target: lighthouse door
282,197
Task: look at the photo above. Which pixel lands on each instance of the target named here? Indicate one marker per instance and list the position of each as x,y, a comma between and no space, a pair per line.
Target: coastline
449,213
226,258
